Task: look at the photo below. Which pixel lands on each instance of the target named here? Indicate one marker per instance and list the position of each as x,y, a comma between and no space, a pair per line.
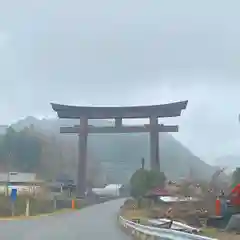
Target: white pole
27,207
7,185
54,203
13,208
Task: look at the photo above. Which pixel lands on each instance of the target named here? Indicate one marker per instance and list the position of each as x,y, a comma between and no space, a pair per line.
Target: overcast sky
126,52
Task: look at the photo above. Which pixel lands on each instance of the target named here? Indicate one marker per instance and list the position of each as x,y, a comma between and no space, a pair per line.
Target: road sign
13,194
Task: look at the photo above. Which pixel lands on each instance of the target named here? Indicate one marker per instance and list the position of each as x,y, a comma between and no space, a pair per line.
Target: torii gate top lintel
164,110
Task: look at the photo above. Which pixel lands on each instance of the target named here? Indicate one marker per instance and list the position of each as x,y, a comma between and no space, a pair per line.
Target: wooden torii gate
118,114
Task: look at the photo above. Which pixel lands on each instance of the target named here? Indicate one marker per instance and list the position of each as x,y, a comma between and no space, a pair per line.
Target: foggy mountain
3,129
116,157
126,53
229,161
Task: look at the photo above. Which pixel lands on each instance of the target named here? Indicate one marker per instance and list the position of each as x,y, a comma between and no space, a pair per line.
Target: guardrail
155,233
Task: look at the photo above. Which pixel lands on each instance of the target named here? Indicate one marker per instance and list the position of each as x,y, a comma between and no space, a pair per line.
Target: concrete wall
21,189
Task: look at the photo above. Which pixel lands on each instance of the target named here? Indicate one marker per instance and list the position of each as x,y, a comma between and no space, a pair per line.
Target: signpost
13,197
9,180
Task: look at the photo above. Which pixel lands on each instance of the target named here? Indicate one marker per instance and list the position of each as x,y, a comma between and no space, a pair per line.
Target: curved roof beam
164,110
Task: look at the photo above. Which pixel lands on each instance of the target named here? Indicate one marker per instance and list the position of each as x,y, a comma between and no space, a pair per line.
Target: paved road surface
97,222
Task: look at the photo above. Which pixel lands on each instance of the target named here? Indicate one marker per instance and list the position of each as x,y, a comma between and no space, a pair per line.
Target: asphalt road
97,222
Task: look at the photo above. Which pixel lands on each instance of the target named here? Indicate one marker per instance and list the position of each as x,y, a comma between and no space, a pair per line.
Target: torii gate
118,114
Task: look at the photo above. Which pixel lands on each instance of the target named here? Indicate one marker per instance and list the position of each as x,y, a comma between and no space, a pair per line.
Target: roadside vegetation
140,207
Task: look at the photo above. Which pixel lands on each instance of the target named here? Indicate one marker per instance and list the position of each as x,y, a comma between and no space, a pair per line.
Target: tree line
142,181
48,155
20,150
31,151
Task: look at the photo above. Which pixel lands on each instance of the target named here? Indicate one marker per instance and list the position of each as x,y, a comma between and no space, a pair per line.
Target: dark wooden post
82,161
154,144
143,163
118,122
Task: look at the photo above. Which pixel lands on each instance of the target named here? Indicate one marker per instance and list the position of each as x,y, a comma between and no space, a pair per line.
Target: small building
110,190
158,192
155,193
23,182
17,177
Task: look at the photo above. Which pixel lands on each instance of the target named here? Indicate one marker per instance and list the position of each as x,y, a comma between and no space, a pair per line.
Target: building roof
113,186
158,192
174,199
17,177
164,110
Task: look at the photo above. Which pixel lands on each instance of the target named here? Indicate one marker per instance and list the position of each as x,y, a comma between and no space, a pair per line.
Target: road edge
65,210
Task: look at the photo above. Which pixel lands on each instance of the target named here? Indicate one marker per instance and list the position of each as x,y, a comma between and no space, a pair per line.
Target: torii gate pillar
154,144
82,157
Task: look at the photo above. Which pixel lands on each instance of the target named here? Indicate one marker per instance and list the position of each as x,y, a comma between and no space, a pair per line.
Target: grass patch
210,232
37,206
141,214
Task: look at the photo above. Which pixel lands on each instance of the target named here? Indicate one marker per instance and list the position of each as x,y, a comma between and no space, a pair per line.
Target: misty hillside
229,161
114,156
3,129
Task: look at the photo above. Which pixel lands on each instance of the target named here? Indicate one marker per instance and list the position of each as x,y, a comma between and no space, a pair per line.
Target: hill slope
115,156
231,161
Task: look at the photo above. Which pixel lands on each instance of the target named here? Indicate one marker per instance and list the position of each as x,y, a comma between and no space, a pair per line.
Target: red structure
117,113
235,196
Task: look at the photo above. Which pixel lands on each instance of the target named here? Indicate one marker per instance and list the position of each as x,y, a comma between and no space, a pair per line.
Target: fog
126,53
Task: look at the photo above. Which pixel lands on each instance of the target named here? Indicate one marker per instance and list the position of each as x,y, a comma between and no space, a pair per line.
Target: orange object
218,207
73,204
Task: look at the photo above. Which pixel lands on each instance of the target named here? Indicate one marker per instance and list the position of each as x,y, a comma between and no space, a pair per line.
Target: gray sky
126,52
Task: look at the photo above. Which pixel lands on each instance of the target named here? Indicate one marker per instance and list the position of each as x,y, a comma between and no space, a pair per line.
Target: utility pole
143,163
7,184
9,180
8,174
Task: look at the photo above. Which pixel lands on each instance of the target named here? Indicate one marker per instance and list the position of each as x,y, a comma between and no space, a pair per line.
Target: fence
147,232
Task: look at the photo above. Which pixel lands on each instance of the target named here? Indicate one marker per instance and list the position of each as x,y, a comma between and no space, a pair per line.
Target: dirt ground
211,232
142,215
